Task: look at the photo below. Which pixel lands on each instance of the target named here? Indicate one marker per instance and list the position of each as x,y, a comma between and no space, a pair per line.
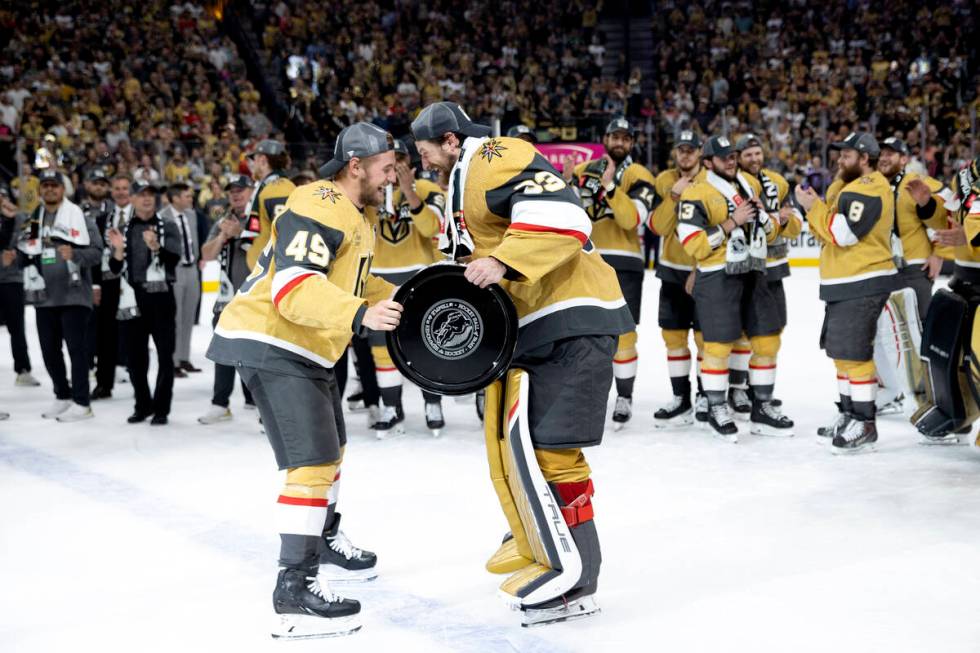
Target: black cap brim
841,146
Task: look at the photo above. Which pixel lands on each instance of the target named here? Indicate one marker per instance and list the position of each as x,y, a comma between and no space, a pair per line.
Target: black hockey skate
766,419
434,419
840,423
390,424
622,412
677,413
308,609
722,424
738,399
858,435
341,562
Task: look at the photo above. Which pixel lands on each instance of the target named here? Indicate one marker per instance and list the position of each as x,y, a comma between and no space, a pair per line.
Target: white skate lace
342,545
388,414
853,431
622,405
674,404
433,412
772,411
839,422
323,591
722,414
740,397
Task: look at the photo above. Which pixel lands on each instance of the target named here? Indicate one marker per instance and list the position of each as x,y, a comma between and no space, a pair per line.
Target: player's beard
617,154
724,175
688,172
850,173
892,171
371,195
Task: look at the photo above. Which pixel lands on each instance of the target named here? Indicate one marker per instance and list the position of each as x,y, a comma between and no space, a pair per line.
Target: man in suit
187,288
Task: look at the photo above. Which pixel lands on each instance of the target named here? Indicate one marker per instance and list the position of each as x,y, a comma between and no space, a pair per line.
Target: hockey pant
546,496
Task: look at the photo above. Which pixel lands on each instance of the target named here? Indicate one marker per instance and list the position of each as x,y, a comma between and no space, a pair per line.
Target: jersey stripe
523,226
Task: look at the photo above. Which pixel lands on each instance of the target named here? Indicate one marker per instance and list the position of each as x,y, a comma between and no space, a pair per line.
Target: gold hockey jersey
855,228
913,224
267,203
966,212
617,215
700,212
673,263
306,296
404,242
520,211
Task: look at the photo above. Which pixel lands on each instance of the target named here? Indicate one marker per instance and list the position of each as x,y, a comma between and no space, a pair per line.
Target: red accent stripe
679,358
337,477
704,371
289,286
841,378
385,369
628,360
684,242
830,229
742,351
762,367
638,219
297,501
864,382
513,410
524,226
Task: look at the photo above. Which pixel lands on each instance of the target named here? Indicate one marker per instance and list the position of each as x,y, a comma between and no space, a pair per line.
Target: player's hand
679,187
933,265
919,191
689,283
383,316
785,214
952,237
116,239
8,257
568,167
743,213
406,175
609,172
67,252
485,271
807,197
96,295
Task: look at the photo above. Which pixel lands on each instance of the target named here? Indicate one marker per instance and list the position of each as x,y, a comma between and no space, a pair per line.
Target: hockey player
284,330
525,229
524,133
767,418
618,196
675,269
723,225
406,222
857,274
267,163
919,214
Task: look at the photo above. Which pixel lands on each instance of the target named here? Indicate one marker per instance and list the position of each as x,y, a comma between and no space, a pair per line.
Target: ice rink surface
140,538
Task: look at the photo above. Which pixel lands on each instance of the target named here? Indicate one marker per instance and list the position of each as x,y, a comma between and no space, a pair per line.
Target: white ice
119,537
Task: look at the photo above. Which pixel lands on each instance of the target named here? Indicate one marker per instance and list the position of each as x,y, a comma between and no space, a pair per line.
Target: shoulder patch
492,148
326,193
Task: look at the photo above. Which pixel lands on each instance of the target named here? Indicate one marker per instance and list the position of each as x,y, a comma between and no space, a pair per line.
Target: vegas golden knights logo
394,231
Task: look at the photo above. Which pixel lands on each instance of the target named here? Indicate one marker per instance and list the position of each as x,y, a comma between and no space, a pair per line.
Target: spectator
146,252
187,287
12,289
59,247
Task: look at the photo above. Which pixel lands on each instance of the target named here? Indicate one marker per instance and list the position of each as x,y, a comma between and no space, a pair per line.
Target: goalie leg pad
944,409
557,566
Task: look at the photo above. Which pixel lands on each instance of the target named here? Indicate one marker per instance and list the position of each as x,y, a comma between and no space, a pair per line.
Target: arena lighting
217,9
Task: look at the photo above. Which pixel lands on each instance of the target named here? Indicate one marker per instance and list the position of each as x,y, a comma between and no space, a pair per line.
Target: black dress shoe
137,417
188,367
179,373
100,393
158,420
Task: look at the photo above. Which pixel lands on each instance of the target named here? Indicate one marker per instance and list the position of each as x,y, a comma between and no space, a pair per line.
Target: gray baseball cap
688,137
860,141
619,125
268,147
441,117
360,140
747,141
51,176
517,131
718,146
400,147
897,144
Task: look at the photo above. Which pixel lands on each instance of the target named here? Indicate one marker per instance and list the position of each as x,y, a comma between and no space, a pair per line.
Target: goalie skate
585,606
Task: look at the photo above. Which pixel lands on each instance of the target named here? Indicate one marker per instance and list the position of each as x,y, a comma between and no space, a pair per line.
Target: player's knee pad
542,517
856,370
714,366
388,375
675,339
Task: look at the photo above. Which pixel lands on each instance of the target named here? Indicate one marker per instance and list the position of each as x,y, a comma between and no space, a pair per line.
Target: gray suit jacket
168,213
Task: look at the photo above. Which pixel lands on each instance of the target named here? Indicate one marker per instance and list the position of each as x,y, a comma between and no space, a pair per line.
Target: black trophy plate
454,337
